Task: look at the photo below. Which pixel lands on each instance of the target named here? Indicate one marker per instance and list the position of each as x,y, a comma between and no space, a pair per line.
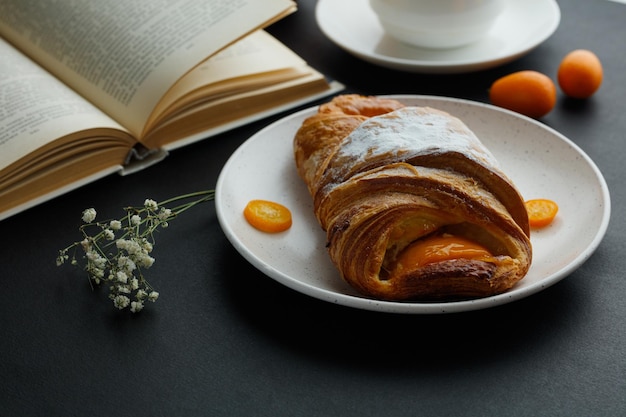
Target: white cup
437,23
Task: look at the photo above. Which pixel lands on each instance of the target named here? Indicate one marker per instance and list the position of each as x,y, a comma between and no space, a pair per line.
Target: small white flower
147,246
136,306
97,273
164,213
89,215
125,263
121,277
115,225
63,256
95,259
133,248
145,260
130,246
134,283
101,263
121,244
141,295
153,296
121,301
150,204
108,234
135,219
123,289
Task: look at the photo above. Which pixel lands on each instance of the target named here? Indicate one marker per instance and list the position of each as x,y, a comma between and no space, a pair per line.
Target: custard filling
439,248
426,240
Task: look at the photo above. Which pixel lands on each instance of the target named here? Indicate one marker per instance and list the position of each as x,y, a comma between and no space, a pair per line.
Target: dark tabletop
224,339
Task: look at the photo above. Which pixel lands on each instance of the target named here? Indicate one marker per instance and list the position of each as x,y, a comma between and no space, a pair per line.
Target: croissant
413,205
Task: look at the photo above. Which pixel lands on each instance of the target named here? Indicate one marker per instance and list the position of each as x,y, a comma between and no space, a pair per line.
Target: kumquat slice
267,216
541,212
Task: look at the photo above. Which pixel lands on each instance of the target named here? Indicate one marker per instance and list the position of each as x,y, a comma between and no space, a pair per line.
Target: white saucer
353,26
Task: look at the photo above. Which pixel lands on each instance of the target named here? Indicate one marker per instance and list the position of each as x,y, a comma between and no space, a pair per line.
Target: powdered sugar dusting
413,131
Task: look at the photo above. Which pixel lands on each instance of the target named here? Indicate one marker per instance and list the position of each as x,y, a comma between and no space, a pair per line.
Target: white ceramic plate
353,26
540,161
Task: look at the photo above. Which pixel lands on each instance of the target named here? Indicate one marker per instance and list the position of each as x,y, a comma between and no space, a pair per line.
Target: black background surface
224,339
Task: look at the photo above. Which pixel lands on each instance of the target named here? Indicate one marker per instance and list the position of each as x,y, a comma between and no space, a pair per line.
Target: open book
89,87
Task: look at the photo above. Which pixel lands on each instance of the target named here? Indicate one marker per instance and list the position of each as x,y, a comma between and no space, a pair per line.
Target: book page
124,55
37,109
249,61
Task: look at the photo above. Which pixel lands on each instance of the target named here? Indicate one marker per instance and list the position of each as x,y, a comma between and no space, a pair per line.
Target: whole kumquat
580,74
267,216
541,212
528,92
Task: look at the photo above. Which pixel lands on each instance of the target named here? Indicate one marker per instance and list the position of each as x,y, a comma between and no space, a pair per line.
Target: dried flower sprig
119,250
